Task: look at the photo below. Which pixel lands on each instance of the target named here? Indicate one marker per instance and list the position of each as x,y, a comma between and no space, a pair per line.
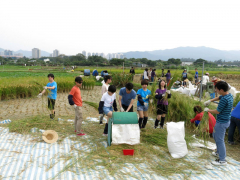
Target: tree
116,61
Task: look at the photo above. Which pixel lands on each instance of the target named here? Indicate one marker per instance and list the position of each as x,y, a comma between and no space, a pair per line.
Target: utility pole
201,91
123,67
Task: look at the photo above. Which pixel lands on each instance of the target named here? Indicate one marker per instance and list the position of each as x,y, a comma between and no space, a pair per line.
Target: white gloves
206,109
45,87
74,106
122,110
168,91
207,103
151,101
40,95
145,104
163,95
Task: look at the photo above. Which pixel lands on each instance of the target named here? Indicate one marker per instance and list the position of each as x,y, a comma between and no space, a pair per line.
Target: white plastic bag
176,139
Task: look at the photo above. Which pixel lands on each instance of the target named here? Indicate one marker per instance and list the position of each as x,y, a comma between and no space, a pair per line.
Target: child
52,96
199,114
223,112
162,105
142,104
105,105
126,98
107,80
184,77
75,100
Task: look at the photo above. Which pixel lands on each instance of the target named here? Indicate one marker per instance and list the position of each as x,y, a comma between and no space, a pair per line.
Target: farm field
25,108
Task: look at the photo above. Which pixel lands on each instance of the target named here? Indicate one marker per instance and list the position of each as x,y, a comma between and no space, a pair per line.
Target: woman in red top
199,114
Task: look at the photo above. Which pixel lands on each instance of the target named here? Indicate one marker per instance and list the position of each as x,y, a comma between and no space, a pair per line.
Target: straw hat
50,136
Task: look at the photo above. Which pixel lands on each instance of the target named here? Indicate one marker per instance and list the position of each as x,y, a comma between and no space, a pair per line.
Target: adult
168,77
145,74
215,80
205,79
149,73
184,77
196,76
52,95
132,71
126,98
223,112
153,74
163,73
234,122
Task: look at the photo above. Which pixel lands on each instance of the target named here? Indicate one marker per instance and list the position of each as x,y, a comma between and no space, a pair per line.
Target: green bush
121,79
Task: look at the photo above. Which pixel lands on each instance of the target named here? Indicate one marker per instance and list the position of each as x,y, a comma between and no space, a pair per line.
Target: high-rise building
96,54
55,53
84,53
109,56
8,53
102,55
36,53
50,55
89,54
93,54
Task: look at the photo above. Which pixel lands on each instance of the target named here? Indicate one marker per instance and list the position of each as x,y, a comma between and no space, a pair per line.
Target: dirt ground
20,108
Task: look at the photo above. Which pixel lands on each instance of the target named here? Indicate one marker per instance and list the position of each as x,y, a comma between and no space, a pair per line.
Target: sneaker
161,127
217,162
81,134
231,143
215,154
101,123
155,127
105,134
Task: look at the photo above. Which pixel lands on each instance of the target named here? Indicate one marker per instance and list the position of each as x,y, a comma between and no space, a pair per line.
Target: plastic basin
127,152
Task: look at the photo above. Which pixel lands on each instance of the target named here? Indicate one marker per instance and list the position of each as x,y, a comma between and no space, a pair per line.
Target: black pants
126,107
234,122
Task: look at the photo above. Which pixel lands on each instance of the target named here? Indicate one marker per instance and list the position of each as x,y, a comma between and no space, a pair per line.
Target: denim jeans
235,122
218,135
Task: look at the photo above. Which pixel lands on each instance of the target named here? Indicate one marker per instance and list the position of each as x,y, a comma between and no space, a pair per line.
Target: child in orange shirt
75,100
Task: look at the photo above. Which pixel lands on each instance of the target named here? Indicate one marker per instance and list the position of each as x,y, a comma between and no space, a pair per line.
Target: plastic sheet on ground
200,143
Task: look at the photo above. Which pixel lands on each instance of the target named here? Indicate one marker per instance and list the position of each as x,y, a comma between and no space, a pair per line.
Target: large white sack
176,139
125,134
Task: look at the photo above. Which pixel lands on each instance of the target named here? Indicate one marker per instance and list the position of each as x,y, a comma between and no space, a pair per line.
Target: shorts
196,80
142,108
51,103
106,110
162,109
126,107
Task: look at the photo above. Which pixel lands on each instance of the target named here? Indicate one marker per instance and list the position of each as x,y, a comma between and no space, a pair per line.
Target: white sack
175,140
98,77
125,134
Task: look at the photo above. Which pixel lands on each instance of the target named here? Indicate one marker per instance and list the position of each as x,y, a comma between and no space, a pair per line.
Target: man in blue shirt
223,112
235,122
52,94
184,77
196,76
126,98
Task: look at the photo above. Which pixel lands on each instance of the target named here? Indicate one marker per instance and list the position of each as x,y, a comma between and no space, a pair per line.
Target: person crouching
108,101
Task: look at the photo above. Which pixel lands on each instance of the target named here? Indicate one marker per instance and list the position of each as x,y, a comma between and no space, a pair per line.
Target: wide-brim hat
50,136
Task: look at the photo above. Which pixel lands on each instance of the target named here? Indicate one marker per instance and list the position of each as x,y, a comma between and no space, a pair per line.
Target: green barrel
125,118
120,118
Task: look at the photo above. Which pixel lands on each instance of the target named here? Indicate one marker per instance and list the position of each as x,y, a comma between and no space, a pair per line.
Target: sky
111,26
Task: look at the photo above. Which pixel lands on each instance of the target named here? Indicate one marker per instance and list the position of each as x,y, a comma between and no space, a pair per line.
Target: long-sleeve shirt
153,74
145,74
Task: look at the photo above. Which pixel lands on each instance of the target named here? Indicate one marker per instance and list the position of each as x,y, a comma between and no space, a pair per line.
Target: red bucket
128,152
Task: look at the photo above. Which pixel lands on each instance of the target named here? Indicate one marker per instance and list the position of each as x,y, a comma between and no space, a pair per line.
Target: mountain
186,52
28,53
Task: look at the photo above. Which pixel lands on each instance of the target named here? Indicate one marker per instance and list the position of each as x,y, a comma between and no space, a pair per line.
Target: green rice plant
121,79
95,105
153,106
236,100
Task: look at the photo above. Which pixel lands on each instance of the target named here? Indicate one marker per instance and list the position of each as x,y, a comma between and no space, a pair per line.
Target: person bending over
126,98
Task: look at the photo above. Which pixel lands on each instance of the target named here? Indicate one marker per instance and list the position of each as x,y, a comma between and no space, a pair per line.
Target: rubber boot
162,122
140,122
106,129
144,122
156,123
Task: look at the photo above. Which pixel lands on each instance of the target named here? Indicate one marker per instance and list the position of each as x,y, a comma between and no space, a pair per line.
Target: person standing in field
126,98
184,77
149,74
168,77
52,94
196,76
162,104
153,74
107,80
142,104
205,79
163,75
223,112
145,74
75,100
235,122
108,101
132,71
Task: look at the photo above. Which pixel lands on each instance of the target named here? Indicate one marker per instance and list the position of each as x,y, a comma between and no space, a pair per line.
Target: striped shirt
224,108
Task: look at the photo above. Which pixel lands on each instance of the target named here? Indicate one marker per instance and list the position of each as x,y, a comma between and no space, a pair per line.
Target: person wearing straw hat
52,95
75,100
